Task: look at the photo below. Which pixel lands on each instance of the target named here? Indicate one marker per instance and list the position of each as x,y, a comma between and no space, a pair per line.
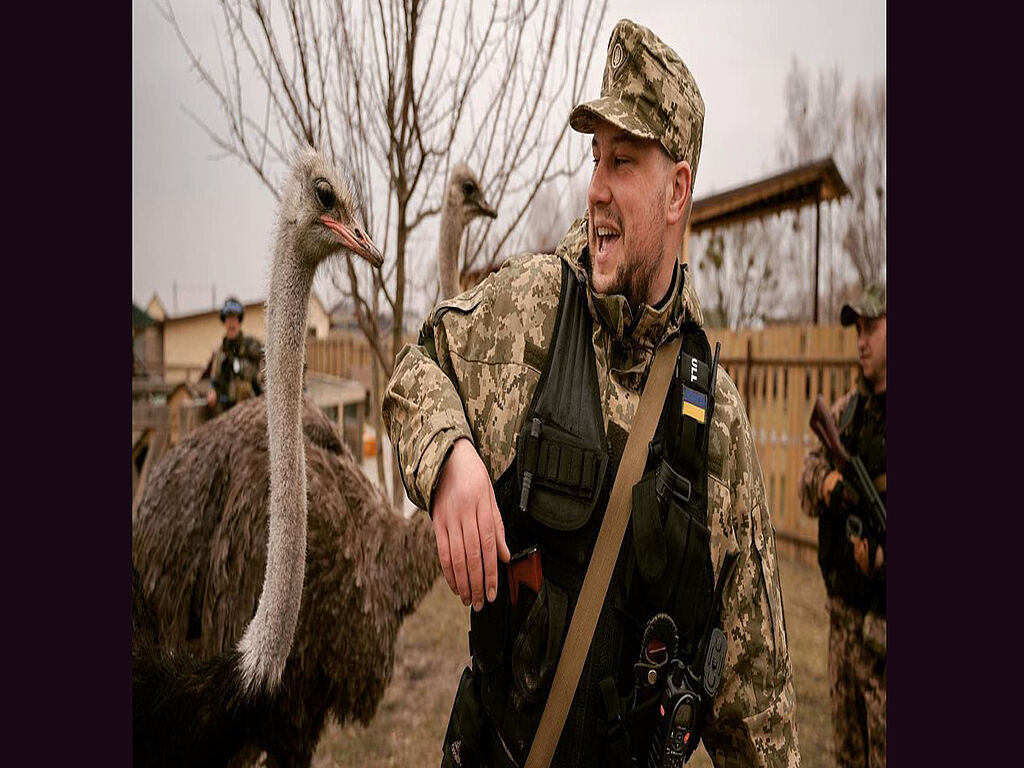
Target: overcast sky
206,223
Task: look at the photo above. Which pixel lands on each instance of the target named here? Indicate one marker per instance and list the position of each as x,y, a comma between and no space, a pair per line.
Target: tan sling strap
602,561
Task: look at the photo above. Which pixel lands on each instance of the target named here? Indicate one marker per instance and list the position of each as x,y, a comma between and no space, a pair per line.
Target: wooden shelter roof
790,189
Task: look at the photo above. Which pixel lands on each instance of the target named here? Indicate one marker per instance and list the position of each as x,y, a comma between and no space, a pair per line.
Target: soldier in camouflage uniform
854,568
236,366
458,399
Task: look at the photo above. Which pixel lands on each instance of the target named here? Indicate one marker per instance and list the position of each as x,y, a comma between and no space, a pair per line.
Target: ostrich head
318,213
464,196
463,201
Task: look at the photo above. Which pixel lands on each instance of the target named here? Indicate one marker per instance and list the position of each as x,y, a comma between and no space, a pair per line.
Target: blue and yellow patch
694,404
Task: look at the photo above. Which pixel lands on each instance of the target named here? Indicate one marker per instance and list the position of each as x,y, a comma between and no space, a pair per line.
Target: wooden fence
347,357
779,372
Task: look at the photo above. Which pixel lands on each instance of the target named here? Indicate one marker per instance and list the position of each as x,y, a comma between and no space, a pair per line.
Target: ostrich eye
324,193
468,188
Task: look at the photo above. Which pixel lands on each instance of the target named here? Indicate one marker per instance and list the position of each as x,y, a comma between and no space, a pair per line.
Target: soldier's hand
860,556
211,397
468,527
828,485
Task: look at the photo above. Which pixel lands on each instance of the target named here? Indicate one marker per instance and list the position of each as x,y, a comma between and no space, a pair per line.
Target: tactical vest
235,372
553,496
862,432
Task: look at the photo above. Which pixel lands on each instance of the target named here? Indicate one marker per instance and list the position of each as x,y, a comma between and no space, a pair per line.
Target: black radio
677,713
684,696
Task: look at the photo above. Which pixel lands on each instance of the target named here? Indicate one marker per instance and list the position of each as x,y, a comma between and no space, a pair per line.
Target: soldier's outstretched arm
443,473
753,717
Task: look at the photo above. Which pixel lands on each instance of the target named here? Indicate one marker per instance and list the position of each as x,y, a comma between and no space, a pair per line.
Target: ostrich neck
268,639
448,252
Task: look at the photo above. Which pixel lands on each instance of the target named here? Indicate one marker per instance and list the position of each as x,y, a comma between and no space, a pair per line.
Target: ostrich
463,201
200,551
199,541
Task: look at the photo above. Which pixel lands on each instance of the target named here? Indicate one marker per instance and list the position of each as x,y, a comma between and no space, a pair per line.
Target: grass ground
432,649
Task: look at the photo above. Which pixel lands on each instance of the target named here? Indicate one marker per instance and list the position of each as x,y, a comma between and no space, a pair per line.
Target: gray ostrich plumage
200,540
463,201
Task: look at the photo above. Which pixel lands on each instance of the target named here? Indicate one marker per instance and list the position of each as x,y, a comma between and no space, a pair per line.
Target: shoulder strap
602,561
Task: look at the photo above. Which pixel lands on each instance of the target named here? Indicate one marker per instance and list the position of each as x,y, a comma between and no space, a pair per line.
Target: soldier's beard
638,265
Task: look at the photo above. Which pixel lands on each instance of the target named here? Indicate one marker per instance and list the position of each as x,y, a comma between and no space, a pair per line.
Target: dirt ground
433,648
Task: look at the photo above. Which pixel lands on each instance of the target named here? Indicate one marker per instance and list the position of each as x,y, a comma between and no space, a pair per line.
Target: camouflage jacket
491,342
236,370
842,579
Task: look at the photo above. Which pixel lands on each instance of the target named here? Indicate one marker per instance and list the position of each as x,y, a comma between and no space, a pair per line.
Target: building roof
139,317
817,180
155,309
313,297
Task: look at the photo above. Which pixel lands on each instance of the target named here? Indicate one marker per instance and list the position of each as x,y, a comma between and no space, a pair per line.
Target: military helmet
232,306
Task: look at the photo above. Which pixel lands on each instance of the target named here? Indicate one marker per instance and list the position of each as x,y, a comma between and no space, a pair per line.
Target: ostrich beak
355,240
486,210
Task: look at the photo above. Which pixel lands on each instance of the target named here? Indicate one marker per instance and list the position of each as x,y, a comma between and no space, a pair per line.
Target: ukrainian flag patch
694,404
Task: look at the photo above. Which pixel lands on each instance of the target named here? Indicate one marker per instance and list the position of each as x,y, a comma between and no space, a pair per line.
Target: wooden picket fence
779,372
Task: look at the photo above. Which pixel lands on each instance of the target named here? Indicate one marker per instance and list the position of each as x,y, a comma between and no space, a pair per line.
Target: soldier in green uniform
236,366
465,409
854,567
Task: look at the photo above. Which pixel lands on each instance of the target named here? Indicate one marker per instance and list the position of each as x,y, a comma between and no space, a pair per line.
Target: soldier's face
871,348
232,325
626,202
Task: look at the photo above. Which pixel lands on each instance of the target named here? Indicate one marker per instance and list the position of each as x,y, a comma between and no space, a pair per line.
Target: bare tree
739,270
391,91
552,212
825,122
864,231
737,276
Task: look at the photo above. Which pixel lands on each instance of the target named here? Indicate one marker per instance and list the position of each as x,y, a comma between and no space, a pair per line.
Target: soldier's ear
678,192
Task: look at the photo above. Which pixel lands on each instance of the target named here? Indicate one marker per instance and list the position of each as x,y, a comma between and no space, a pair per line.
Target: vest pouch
462,740
560,475
648,533
670,542
695,581
537,645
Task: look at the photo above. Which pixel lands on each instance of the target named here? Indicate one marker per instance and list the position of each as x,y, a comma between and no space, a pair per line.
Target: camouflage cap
647,91
871,303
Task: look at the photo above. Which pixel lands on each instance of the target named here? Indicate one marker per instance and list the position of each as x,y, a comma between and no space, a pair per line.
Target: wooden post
817,245
750,373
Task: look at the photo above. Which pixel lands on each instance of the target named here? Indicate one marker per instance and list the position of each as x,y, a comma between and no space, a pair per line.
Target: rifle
824,426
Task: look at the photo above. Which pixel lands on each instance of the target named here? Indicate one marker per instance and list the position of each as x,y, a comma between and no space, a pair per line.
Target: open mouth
606,238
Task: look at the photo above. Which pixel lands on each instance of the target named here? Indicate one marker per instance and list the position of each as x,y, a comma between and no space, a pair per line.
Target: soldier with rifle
843,484
236,366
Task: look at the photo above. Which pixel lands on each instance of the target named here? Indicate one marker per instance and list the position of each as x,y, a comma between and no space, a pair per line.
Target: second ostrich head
463,201
465,197
317,219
